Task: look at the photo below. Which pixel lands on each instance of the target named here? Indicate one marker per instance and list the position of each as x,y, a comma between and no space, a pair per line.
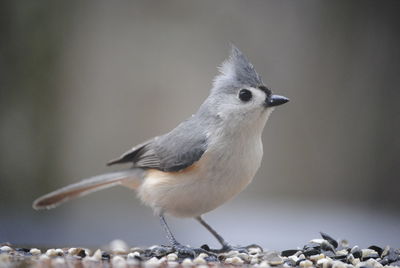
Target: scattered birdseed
319,253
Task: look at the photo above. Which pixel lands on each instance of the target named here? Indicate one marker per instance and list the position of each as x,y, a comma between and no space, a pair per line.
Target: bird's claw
228,247
188,251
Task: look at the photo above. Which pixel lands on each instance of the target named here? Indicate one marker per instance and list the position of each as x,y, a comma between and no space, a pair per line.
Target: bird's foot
159,251
227,247
185,251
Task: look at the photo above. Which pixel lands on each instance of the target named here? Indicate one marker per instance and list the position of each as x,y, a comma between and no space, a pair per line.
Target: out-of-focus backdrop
83,81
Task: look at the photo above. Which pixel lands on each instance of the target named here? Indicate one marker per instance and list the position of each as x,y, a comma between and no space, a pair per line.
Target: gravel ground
324,252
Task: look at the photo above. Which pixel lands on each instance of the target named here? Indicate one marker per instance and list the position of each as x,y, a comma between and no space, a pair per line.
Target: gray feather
84,187
173,151
236,72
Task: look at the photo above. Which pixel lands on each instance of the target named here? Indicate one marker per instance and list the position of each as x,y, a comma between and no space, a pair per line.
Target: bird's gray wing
132,154
173,151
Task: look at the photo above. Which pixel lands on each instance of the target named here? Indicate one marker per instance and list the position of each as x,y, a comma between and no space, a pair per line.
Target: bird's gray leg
170,236
181,249
225,245
220,239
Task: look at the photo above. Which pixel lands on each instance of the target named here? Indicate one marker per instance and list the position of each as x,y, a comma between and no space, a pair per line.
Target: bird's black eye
245,95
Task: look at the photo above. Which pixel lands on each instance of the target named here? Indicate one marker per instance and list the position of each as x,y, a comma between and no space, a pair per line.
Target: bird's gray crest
236,71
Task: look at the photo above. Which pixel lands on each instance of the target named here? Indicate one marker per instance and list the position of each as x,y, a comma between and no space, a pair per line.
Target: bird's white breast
225,169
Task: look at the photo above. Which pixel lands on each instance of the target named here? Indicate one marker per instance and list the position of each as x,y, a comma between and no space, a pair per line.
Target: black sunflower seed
328,238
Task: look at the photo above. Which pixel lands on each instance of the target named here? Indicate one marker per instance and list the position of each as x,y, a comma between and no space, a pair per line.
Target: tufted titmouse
203,162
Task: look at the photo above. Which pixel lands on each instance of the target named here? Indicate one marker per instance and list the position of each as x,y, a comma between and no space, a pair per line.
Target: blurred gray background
83,81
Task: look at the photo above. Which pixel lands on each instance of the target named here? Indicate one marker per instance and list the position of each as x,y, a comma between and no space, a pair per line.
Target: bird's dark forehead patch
266,90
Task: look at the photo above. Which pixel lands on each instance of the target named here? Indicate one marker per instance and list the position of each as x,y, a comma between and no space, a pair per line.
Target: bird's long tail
130,178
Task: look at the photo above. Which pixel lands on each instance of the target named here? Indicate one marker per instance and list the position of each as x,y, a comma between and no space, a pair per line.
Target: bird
203,162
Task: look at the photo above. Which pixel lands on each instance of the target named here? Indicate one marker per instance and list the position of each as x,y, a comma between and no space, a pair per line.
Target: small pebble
373,263
234,261
35,251
6,249
338,264
199,260
367,252
317,257
187,262
293,258
323,263
306,264
59,252
133,255
263,264
172,257
97,256
237,261
356,261
379,250
203,255
342,252
51,252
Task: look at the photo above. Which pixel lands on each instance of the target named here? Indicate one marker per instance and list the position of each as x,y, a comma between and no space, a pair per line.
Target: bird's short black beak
276,100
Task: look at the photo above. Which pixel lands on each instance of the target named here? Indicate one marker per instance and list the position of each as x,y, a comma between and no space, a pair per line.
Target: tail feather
129,178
